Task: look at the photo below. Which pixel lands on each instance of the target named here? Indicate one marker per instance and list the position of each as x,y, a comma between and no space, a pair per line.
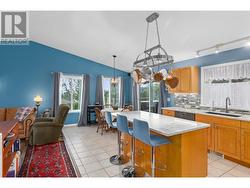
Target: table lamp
38,99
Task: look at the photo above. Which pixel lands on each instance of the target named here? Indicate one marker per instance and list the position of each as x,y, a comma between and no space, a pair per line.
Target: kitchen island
186,156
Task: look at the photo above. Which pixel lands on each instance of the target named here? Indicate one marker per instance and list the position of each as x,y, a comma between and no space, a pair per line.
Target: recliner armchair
48,130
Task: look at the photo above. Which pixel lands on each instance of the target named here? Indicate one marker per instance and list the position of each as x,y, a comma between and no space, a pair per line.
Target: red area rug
50,160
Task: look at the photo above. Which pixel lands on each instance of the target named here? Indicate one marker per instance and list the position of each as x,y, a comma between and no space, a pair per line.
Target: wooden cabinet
188,80
2,114
126,146
208,120
168,112
6,153
185,81
142,157
227,137
245,141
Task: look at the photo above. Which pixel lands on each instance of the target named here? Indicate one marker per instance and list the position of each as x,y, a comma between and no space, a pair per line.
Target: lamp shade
38,99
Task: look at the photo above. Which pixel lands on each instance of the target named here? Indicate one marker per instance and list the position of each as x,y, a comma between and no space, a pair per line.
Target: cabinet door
185,81
227,139
126,146
142,158
207,119
245,145
245,142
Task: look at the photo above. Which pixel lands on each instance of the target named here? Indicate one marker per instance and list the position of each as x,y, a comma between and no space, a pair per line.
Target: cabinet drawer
168,112
2,114
245,125
202,118
11,113
226,122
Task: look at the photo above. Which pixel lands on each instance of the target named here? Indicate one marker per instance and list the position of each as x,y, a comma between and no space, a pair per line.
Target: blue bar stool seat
115,159
122,126
142,133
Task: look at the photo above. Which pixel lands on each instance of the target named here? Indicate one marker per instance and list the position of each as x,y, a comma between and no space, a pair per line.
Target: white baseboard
70,125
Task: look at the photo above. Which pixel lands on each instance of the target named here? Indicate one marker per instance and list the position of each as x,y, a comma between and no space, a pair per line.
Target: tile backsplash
187,100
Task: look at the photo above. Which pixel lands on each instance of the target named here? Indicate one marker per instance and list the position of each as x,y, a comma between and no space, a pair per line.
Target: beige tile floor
91,152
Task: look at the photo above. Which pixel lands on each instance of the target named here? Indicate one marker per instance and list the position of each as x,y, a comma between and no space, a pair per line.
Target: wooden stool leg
98,128
102,129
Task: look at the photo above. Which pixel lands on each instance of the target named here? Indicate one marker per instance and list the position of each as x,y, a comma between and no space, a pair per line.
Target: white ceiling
99,35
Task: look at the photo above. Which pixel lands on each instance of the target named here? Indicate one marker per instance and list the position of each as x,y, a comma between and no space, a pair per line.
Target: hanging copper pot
172,81
158,77
137,76
161,75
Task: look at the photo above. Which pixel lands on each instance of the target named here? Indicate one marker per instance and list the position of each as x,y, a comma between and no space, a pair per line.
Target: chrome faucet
228,102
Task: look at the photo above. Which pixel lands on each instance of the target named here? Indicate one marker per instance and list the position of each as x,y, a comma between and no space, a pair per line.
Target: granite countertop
203,112
164,125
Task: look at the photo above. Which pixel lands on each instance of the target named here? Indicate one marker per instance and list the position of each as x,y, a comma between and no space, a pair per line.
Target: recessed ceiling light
248,43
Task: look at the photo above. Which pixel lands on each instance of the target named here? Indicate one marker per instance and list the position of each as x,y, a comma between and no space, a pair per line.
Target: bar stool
122,126
115,159
141,132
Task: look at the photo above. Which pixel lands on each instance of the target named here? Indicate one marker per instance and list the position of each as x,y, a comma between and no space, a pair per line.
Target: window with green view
71,91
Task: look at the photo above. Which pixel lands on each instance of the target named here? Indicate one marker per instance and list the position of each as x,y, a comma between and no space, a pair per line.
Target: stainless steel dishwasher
185,115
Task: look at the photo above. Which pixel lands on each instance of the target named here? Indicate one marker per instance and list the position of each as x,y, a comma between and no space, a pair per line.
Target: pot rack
156,55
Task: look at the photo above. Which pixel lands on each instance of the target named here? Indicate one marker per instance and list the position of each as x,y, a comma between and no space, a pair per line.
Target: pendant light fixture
114,80
155,56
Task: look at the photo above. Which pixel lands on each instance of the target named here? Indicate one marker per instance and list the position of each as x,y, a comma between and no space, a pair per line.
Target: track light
218,47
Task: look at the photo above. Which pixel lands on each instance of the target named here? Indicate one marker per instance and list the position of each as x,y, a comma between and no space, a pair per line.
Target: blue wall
222,57
25,71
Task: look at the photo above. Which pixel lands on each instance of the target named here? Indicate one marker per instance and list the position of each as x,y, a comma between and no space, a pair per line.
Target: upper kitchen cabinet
188,80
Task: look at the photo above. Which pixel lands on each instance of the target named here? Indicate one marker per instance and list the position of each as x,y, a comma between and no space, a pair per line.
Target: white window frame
149,97
67,76
119,89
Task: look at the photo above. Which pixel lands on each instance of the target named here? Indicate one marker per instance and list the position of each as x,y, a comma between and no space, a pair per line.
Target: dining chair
101,122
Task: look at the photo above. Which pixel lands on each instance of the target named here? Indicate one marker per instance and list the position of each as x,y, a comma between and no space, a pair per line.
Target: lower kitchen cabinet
208,120
126,146
227,137
245,142
142,154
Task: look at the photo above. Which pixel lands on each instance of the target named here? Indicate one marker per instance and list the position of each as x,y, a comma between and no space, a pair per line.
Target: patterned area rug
50,160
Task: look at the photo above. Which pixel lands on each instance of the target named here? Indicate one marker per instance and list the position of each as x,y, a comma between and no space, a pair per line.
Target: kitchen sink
224,114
